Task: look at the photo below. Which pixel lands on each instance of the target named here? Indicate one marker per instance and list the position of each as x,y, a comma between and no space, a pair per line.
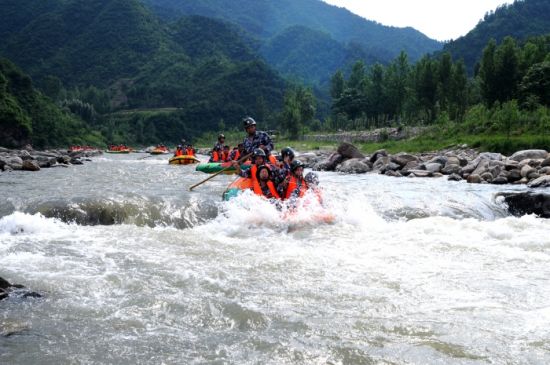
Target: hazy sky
438,19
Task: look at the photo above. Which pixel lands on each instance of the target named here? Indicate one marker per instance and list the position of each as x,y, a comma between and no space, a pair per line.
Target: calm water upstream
136,269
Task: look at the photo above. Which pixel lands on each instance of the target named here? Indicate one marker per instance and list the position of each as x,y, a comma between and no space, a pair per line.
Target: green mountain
313,55
26,116
520,20
116,54
273,20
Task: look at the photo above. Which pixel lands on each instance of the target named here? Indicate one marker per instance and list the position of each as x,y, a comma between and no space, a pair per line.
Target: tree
536,83
337,85
487,74
507,70
396,84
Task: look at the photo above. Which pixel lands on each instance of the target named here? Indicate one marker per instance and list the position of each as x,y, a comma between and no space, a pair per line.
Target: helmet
259,152
287,151
221,136
180,146
260,168
248,121
312,178
295,164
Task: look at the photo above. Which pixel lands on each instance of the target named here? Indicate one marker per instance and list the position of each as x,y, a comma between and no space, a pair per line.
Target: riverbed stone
527,203
353,165
450,169
330,163
454,177
30,165
474,179
377,154
433,166
491,156
420,173
540,182
347,151
402,159
545,170
393,173
529,154
526,170
545,162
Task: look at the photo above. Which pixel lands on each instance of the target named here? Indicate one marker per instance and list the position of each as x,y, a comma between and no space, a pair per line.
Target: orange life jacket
272,159
215,156
225,156
258,189
179,152
295,184
189,152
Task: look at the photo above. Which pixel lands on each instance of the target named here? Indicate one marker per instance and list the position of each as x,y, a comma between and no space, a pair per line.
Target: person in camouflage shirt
256,139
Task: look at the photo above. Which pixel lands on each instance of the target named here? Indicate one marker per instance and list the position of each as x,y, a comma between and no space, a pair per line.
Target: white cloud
438,19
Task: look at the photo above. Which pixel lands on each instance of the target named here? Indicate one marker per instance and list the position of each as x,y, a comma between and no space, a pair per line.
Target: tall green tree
488,74
507,70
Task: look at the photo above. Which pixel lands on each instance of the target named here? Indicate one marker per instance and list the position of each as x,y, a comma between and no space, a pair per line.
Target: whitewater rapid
134,268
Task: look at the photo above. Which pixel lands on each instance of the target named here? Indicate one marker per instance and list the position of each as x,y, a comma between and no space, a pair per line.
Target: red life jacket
179,152
237,155
295,184
215,156
272,191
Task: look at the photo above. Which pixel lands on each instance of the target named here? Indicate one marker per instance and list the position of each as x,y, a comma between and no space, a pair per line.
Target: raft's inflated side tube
213,167
236,187
183,160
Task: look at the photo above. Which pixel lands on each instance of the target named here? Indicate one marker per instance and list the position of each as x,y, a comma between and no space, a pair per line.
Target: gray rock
376,155
433,167
30,165
487,176
529,154
402,159
540,182
347,150
527,203
442,160
474,179
545,162
451,169
545,170
514,175
454,177
527,170
481,168
381,163
25,155
491,156
510,164
420,173
393,173
500,180
412,165
354,165
330,163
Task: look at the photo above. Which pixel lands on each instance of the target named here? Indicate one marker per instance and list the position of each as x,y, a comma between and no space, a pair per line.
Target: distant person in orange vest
237,152
225,153
179,151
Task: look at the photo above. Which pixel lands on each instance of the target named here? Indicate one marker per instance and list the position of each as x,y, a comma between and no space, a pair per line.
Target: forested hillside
108,55
520,20
273,20
26,116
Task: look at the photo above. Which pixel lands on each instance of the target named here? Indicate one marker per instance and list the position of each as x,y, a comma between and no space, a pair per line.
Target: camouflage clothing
259,138
218,146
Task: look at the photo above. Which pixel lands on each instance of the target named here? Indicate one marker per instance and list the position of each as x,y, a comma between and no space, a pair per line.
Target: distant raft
127,150
183,160
213,167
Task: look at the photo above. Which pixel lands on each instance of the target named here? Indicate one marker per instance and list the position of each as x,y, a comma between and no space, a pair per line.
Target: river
135,269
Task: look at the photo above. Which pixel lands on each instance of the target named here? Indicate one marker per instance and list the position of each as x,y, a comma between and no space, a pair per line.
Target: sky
438,19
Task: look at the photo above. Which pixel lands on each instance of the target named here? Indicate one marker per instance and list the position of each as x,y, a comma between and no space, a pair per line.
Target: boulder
540,182
545,170
527,170
491,156
433,167
450,169
420,173
529,154
474,179
514,175
523,203
347,150
30,165
402,159
330,163
545,162
377,154
442,160
454,177
353,165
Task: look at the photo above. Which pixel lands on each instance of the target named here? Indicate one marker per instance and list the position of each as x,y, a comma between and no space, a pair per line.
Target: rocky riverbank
29,159
531,167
